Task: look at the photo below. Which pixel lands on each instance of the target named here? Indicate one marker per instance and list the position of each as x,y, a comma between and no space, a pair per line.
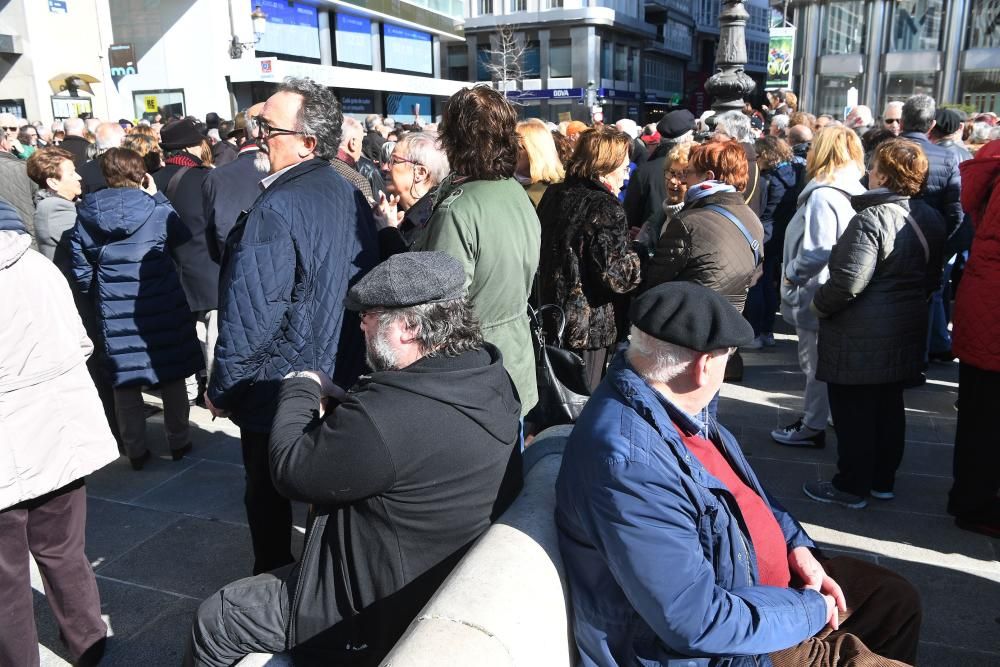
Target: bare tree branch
506,62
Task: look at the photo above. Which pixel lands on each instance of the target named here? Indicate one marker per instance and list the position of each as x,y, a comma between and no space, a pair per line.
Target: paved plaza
164,538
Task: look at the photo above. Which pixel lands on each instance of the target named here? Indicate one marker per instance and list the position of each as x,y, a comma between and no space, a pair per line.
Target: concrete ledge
505,603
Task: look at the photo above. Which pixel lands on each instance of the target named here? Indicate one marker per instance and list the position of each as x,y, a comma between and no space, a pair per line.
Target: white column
325,42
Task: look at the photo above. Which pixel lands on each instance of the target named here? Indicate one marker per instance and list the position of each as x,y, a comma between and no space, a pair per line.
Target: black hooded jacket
404,475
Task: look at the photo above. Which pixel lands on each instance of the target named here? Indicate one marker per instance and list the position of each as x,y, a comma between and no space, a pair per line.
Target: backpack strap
175,182
916,228
754,244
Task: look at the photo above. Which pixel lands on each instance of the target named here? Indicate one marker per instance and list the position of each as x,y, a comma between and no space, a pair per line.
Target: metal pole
730,83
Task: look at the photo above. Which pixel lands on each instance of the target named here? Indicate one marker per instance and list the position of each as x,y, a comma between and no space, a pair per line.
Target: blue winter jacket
121,260
286,268
660,568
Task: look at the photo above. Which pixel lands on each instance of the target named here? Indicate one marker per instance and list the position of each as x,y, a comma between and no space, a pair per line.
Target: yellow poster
565,116
151,104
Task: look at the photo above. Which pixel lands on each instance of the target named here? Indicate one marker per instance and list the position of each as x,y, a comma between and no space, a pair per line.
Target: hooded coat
397,501
873,309
121,261
976,335
44,449
823,213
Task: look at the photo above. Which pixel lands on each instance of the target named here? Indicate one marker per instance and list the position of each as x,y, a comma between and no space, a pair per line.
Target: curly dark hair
772,151
319,116
478,132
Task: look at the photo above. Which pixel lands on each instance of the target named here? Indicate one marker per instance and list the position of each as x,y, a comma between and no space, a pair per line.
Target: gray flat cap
409,279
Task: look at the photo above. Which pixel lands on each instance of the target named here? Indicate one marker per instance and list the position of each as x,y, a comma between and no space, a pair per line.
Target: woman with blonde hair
586,259
675,185
538,164
147,145
834,167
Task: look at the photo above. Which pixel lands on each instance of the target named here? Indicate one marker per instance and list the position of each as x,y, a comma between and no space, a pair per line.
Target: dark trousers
596,360
269,514
50,528
880,628
247,616
977,446
870,421
763,298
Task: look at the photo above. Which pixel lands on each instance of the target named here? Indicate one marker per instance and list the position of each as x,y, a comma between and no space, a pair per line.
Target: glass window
844,27
832,94
518,5
633,65
553,4
984,24
458,63
917,25
483,61
531,65
621,67
485,7
902,86
981,89
607,60
560,58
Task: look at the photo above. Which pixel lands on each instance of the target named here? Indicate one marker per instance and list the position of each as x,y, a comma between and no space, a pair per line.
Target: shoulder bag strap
754,245
916,228
175,181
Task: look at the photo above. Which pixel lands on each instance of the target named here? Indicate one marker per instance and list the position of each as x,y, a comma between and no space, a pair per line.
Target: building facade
949,49
190,57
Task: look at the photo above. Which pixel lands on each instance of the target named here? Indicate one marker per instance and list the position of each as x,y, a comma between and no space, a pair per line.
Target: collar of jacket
717,198
249,147
301,169
589,183
183,160
919,137
879,196
347,159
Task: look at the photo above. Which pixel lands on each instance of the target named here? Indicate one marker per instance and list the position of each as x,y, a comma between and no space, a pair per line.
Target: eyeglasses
10,129
892,120
399,160
265,129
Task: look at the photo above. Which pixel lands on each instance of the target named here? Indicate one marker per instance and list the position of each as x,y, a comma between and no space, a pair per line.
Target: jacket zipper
293,610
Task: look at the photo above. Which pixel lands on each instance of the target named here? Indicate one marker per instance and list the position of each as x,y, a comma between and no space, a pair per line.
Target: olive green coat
492,229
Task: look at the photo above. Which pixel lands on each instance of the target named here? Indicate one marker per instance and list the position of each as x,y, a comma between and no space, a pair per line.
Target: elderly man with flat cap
674,553
403,472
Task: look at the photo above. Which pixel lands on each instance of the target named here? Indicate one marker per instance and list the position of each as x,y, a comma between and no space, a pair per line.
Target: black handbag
560,375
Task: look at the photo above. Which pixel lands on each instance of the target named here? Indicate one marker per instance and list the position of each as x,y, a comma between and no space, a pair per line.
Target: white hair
350,129
423,148
980,133
74,127
897,105
780,121
736,124
108,136
628,126
994,133
657,360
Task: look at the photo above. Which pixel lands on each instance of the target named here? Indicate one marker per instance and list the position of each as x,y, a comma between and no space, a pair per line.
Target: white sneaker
755,344
798,434
882,495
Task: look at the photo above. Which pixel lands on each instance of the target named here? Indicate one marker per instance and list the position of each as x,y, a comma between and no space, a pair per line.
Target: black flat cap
948,121
179,134
690,315
675,124
409,279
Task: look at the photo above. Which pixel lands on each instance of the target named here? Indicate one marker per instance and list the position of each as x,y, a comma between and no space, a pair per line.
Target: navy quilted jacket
287,266
121,261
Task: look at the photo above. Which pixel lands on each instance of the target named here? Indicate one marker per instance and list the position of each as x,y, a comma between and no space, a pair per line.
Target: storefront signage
58,7
779,58
150,104
121,59
548,94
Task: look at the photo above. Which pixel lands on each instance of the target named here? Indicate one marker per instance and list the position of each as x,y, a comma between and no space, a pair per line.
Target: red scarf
184,160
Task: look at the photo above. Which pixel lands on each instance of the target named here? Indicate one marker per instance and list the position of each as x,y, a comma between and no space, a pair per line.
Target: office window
984,20
553,4
518,5
485,7
621,66
458,63
531,66
917,25
607,60
981,89
560,58
832,94
843,27
483,61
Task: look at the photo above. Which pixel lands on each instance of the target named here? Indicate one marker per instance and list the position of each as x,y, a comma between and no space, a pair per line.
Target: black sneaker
178,454
798,434
826,492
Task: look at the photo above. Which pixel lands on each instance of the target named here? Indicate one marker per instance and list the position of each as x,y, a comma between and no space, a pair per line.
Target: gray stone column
325,41
730,82
876,45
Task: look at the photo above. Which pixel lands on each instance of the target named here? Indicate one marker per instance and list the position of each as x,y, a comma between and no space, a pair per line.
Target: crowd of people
355,296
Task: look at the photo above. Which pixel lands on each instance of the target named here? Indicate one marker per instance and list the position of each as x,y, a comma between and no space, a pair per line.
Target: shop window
560,58
981,89
902,86
832,94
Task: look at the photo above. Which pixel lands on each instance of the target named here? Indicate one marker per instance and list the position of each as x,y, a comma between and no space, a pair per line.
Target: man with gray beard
403,473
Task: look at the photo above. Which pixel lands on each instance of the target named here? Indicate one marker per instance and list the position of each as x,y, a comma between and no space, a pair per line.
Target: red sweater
765,533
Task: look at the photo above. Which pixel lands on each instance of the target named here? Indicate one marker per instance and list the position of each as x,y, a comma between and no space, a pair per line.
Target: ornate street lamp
730,84
259,19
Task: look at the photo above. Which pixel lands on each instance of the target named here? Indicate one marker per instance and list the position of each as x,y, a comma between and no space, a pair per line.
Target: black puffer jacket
703,247
585,259
873,309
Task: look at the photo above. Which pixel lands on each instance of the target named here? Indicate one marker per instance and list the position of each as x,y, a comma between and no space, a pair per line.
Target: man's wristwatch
304,374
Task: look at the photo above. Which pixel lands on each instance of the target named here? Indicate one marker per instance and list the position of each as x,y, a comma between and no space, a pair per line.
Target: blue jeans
938,336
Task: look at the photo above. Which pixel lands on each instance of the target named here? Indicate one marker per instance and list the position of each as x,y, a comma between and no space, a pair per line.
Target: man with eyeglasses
15,187
674,552
892,117
285,271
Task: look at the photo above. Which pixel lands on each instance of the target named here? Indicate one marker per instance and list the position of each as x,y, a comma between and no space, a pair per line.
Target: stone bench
504,605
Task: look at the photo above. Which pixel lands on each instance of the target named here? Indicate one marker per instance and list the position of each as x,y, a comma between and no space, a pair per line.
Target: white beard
262,161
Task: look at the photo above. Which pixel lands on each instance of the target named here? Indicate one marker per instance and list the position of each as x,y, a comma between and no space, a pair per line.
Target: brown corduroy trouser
881,627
